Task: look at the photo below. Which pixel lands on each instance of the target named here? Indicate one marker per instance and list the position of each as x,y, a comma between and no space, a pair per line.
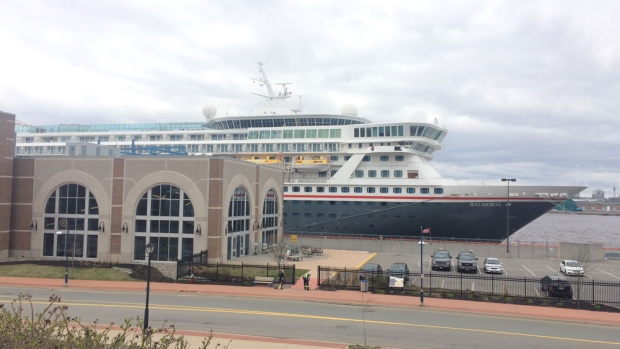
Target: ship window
332,215
320,215
333,172
424,191
384,158
296,189
397,190
287,134
372,173
366,158
359,173
333,158
335,133
320,189
385,173
399,158
438,190
398,173
370,190
383,190
357,189
322,174
410,190
362,132
347,157
333,189
356,132
308,189
285,189
344,189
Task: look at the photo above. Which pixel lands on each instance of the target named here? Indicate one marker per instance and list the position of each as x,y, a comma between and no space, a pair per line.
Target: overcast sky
527,89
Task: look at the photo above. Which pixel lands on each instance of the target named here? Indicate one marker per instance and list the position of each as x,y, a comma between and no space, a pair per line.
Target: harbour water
572,227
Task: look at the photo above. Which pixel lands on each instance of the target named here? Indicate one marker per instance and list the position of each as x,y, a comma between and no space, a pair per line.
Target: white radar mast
275,103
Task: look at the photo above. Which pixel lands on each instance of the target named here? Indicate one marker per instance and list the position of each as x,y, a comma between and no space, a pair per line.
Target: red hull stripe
405,198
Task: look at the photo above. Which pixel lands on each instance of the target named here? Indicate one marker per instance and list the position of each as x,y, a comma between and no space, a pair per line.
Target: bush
54,328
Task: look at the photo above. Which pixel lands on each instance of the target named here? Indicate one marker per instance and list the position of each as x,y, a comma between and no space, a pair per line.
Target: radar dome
209,111
349,110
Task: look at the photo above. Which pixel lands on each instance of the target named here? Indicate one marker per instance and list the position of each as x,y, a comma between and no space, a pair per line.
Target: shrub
53,328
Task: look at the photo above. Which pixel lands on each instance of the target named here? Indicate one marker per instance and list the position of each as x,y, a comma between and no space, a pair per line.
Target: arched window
165,218
270,218
72,213
238,224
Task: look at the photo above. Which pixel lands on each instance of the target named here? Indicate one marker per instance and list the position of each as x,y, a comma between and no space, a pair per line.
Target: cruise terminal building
109,206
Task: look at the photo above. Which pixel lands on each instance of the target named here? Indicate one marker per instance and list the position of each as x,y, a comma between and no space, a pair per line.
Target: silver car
493,265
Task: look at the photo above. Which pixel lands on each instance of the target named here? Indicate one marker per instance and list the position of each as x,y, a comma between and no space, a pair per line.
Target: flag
426,231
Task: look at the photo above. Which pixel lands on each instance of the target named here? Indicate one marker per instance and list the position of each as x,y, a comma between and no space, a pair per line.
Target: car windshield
492,261
468,257
441,254
572,264
397,268
370,267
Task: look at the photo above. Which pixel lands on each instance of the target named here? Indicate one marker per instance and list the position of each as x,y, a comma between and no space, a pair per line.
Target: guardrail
445,284
236,273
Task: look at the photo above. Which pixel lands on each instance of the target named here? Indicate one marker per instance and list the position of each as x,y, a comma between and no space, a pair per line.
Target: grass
57,272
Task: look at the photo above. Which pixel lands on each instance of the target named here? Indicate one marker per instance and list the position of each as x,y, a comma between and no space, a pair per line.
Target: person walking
306,278
281,279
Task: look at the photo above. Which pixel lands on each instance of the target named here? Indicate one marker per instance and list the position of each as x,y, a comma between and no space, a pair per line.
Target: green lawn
54,272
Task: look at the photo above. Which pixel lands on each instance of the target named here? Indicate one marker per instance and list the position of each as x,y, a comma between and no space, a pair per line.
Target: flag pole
421,265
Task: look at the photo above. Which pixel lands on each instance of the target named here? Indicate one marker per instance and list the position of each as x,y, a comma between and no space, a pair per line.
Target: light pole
508,180
149,249
63,223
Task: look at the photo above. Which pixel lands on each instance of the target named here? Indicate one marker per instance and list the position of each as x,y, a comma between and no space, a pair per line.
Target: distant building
598,194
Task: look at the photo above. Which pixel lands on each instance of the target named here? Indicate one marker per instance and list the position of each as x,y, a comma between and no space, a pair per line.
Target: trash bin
364,285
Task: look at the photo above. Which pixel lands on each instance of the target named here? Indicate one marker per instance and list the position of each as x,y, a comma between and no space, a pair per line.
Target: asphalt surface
333,258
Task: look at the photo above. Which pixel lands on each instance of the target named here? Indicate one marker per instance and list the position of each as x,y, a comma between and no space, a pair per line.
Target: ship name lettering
485,204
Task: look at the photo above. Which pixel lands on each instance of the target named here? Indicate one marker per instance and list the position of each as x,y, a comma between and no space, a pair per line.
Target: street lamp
508,180
63,223
149,249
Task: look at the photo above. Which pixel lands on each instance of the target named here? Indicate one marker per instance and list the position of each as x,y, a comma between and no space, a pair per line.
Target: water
580,228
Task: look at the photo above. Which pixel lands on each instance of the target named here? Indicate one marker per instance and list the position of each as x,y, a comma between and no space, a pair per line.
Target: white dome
209,111
349,110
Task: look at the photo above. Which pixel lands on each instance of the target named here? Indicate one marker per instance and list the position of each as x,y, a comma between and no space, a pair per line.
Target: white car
570,267
493,265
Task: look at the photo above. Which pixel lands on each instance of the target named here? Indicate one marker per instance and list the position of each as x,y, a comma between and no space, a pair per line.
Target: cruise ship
344,175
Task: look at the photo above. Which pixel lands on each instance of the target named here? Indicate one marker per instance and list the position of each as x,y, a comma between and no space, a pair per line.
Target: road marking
612,275
528,269
553,270
318,317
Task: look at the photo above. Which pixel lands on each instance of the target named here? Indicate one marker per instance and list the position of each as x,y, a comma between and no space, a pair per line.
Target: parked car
369,270
440,259
493,265
570,267
466,261
556,286
399,270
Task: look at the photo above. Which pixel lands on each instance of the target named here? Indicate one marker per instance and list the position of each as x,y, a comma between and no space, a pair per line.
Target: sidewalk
296,292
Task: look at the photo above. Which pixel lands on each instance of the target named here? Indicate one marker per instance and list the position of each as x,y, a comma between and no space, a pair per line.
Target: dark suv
441,260
400,270
556,286
466,261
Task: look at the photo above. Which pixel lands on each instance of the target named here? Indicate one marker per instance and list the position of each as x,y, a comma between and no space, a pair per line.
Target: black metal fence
237,273
185,266
446,284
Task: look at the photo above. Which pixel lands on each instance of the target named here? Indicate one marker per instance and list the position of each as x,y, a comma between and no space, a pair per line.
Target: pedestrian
281,279
306,278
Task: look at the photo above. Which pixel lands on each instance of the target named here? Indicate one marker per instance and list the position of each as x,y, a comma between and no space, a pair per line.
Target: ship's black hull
450,220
